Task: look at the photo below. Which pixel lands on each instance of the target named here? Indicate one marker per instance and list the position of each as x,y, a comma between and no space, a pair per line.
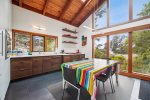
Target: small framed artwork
38,43
84,40
1,43
7,44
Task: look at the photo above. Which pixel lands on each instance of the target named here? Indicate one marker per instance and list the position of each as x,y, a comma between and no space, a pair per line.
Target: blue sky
119,11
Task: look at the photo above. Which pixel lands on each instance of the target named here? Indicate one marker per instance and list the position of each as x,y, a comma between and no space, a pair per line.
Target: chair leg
78,98
113,84
64,90
104,91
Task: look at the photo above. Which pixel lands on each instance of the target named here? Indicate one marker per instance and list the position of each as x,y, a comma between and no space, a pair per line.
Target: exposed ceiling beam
45,6
65,8
80,10
100,2
20,3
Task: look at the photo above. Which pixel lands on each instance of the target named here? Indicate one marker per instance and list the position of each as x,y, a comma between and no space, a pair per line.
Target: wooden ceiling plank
45,6
100,2
20,3
65,8
80,10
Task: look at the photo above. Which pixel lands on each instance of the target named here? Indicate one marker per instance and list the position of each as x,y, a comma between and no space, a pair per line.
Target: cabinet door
37,66
67,58
82,56
57,60
47,64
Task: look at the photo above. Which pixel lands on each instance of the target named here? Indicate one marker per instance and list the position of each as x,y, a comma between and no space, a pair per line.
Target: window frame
130,17
31,38
129,72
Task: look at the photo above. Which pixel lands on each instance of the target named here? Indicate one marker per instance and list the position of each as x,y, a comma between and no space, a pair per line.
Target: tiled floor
33,88
37,88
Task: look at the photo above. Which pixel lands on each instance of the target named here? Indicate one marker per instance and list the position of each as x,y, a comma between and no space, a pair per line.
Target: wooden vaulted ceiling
73,12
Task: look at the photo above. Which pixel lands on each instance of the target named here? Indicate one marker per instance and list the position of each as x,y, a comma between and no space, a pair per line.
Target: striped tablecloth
86,71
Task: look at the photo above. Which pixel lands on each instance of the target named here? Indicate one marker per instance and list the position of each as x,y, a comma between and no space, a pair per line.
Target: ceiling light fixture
39,28
88,28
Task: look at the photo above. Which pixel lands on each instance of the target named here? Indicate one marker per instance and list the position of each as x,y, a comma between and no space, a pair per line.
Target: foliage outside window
101,17
119,49
38,43
100,47
141,51
22,41
141,8
51,44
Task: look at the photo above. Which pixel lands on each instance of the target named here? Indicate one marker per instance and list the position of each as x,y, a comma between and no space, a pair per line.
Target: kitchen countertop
40,55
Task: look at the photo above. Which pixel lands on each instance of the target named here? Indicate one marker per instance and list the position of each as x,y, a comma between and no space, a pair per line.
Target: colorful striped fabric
83,73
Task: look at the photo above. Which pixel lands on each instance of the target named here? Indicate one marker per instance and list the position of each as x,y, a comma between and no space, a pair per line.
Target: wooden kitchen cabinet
28,66
70,58
21,68
47,64
37,65
67,58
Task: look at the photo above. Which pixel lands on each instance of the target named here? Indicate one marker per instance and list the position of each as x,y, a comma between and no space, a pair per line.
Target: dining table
87,70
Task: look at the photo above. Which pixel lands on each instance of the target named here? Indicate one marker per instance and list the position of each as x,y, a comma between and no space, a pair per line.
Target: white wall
5,23
24,19
83,31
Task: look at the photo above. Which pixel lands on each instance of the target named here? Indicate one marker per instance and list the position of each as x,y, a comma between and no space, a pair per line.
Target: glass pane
38,43
101,17
141,51
141,8
119,11
22,41
119,49
100,47
51,44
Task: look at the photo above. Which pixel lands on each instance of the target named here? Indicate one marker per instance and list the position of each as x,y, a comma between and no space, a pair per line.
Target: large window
119,49
119,11
100,47
101,17
141,8
141,51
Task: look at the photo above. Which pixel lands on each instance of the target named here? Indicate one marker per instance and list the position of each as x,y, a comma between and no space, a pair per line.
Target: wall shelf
70,42
69,36
68,30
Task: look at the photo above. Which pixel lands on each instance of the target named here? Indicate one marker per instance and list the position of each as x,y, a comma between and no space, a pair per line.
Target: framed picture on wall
1,43
7,44
38,43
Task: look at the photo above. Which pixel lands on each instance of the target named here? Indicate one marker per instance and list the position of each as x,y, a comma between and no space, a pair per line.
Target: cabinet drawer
21,65
20,74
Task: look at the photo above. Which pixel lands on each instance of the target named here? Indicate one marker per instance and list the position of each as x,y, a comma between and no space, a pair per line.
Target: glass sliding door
100,44
141,52
119,49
